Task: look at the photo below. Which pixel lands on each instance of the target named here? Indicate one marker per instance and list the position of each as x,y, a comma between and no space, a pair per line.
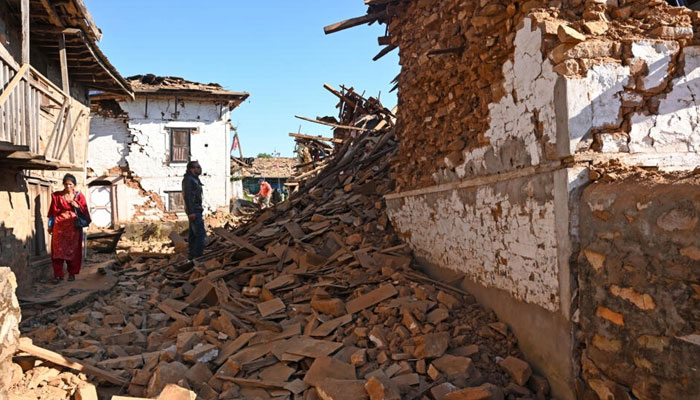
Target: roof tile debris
281,167
150,83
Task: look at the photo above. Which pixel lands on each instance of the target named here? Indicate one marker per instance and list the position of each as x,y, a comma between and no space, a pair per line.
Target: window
179,145
176,203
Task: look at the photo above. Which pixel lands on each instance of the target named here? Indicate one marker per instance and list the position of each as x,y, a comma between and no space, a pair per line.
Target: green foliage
264,155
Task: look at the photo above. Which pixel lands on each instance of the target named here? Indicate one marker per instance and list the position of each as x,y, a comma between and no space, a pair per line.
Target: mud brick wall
9,326
639,276
598,81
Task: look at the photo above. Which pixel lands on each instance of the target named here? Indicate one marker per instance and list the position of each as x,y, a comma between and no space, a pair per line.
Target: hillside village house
139,148
49,61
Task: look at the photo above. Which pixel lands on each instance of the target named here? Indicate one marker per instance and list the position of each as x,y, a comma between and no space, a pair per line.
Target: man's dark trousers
197,237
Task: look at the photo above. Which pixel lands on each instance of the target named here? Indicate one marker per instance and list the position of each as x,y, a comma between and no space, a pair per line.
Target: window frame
170,197
172,145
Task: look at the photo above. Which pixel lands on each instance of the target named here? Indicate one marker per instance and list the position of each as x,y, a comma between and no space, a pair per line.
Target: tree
264,155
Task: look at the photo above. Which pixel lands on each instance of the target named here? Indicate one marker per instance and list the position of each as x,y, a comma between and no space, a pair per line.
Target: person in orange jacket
265,193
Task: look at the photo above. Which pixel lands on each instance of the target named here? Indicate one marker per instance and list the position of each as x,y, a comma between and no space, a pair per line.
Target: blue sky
275,50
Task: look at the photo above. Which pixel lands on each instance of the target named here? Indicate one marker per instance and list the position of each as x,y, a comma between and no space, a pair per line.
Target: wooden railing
34,114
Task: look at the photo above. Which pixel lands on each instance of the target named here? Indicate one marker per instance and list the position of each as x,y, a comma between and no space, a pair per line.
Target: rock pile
315,298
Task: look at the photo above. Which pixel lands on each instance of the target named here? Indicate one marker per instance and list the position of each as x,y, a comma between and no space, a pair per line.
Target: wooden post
64,63
26,118
25,31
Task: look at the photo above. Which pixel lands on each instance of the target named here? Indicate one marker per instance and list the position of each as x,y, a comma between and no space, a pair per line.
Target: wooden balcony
36,125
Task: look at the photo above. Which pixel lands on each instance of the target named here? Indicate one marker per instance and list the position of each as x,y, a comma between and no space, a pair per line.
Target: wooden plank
51,11
55,131
24,9
13,83
253,382
349,23
234,346
64,63
334,125
313,348
386,50
376,296
238,241
70,135
295,230
270,307
26,345
319,137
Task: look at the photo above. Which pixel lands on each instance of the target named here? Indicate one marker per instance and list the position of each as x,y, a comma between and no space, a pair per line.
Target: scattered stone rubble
314,299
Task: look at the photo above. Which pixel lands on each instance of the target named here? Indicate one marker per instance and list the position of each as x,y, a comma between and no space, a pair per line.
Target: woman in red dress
67,237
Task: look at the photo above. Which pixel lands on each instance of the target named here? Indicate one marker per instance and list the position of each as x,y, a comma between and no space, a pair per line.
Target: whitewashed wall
510,220
142,142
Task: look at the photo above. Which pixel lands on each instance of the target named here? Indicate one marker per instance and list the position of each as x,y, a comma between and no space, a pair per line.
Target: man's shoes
71,277
57,279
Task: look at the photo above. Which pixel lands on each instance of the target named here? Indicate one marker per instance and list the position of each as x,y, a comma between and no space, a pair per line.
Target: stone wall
506,110
10,316
600,77
639,275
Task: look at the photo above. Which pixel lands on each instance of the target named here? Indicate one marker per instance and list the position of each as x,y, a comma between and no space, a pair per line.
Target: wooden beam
384,40
341,96
70,134
354,128
13,83
349,23
64,63
56,130
378,2
327,139
53,15
106,68
89,22
24,6
26,345
386,50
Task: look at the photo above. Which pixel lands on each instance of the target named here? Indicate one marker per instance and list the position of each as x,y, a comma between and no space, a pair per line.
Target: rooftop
281,167
153,84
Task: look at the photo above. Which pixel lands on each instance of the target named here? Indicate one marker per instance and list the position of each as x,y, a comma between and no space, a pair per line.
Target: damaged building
49,61
139,148
546,163
247,172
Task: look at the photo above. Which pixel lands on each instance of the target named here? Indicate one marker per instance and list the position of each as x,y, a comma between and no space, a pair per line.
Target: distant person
264,193
68,215
192,192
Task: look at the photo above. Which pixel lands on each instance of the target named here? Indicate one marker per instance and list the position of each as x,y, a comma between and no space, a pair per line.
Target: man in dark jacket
192,192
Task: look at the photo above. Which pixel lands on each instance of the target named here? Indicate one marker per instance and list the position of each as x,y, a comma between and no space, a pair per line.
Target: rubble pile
453,53
35,379
315,298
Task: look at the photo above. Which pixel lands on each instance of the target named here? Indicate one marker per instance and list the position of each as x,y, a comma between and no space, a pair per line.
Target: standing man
264,193
192,192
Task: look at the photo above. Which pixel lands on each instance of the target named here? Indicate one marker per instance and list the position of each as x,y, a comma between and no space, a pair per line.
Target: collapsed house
247,172
537,141
49,61
139,148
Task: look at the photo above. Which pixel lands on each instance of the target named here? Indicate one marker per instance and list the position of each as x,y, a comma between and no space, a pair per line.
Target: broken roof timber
349,23
50,18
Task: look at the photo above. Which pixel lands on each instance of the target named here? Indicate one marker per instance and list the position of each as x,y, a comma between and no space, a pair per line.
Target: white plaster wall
498,237
594,102
676,127
108,145
147,143
529,87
